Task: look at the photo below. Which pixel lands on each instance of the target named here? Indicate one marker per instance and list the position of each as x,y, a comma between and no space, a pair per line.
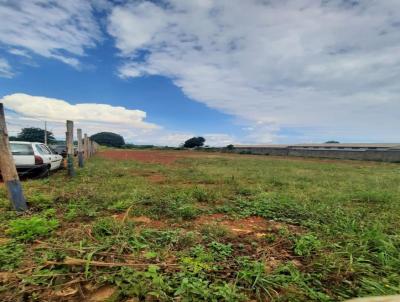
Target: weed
10,255
30,228
221,251
306,245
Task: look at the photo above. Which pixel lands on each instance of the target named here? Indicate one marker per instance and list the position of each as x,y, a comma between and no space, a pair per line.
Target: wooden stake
80,149
8,169
45,133
90,147
85,146
70,148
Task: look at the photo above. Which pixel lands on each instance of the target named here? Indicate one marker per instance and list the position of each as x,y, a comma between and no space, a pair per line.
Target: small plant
187,212
40,201
105,227
120,205
30,228
305,245
221,251
201,195
10,255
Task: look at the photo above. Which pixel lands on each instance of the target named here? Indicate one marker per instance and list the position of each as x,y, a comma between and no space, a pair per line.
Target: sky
233,71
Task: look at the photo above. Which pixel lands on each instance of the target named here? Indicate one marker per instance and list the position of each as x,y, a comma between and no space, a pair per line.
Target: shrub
30,228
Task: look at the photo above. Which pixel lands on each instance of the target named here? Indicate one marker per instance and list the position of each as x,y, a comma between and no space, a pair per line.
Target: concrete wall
372,155
264,151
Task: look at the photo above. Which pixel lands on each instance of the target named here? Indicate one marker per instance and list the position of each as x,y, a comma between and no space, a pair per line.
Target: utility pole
8,169
45,133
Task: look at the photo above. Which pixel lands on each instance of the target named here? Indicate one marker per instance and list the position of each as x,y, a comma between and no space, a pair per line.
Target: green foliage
35,135
108,139
221,251
39,200
194,142
11,254
328,230
30,228
306,245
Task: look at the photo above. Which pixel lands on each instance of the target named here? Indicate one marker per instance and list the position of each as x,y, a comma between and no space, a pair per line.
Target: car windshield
21,149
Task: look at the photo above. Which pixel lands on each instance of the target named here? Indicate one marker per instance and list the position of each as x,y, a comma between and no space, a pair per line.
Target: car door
44,153
23,154
54,161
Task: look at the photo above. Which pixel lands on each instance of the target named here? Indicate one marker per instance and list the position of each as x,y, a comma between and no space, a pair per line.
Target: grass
329,231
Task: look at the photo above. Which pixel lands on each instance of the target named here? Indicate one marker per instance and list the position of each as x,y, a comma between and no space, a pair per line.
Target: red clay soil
252,225
161,157
169,157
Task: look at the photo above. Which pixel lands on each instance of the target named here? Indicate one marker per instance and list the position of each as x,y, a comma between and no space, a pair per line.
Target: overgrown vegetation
207,228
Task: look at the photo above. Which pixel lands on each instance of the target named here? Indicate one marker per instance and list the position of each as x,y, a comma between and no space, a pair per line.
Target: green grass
333,236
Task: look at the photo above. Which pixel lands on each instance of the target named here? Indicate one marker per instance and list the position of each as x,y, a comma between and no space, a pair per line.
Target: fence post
85,146
90,147
80,151
8,169
70,148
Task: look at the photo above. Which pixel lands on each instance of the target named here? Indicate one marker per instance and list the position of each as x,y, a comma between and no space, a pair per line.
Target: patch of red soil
143,220
156,178
157,156
164,157
253,225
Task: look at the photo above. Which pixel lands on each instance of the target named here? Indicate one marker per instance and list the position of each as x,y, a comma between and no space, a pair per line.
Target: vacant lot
185,226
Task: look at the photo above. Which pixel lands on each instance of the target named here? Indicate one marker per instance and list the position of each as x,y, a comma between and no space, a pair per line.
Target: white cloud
302,64
94,115
53,29
5,69
23,110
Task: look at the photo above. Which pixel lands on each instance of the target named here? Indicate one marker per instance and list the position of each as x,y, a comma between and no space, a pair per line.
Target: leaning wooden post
8,169
80,150
70,148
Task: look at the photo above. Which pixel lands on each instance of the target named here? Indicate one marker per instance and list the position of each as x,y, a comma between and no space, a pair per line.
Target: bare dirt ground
169,157
157,156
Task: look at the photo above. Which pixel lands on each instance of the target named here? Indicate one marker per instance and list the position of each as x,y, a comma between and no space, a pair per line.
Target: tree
108,139
332,142
33,134
194,142
230,147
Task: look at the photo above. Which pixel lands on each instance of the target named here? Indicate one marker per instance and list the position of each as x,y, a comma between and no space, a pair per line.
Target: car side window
21,149
42,150
47,149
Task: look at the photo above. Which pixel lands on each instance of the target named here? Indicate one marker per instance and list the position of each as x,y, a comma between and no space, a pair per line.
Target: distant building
374,152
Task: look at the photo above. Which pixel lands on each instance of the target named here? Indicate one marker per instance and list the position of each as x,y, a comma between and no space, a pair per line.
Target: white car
34,159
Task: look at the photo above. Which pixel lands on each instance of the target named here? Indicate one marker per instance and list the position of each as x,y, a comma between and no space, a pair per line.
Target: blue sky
162,71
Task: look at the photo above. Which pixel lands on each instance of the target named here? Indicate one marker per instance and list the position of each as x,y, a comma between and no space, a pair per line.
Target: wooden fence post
80,150
85,146
90,147
8,169
70,148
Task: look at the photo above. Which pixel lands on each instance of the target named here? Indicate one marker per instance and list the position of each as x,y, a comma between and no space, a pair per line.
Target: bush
30,228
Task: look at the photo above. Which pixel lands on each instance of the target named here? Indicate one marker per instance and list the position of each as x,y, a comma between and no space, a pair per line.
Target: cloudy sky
234,71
